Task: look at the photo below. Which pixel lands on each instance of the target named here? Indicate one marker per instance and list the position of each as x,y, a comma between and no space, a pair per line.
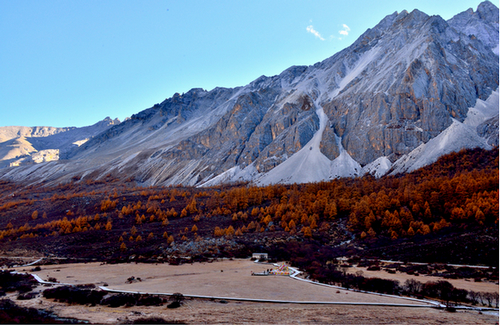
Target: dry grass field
227,278
466,284
232,278
233,312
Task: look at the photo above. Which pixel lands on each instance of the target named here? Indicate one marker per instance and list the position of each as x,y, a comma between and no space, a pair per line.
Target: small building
260,256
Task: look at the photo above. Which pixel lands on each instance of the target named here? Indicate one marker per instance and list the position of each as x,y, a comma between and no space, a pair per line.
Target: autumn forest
103,219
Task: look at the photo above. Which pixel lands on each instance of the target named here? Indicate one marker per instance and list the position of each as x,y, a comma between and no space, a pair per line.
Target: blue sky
72,63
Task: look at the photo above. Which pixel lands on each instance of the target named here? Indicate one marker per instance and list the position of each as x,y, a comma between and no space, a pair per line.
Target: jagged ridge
401,84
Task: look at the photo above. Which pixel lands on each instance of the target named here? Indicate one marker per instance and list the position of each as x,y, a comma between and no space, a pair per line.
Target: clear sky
72,63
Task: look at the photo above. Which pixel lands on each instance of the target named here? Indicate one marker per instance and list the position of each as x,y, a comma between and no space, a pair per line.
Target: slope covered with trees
438,209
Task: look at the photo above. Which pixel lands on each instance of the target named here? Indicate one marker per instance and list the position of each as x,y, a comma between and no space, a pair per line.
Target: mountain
393,100
28,145
479,129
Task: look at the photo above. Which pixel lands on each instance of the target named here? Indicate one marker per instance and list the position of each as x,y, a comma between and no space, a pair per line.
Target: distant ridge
28,145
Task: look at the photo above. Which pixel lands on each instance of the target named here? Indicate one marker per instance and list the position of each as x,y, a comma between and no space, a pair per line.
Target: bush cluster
85,295
73,294
10,282
10,313
320,264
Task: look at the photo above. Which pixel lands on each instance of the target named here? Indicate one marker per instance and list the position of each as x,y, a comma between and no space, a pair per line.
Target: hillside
31,145
451,205
408,90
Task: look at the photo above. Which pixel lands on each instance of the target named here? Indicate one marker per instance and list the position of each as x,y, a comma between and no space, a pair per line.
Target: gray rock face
424,73
253,129
399,85
482,24
489,130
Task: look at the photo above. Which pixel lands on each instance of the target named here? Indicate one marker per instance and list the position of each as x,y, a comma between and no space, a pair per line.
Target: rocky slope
28,145
399,86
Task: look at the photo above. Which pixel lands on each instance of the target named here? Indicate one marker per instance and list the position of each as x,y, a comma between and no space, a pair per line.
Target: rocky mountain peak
481,25
398,87
108,122
488,12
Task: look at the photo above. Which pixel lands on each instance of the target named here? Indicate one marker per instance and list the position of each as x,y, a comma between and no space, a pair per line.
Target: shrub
10,313
27,296
150,300
10,282
117,300
176,299
156,321
74,294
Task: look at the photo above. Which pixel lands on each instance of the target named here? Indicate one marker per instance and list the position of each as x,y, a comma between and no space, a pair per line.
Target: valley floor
199,312
232,278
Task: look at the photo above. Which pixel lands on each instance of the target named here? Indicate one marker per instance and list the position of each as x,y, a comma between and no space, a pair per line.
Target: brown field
234,312
232,278
467,284
227,278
